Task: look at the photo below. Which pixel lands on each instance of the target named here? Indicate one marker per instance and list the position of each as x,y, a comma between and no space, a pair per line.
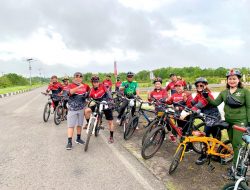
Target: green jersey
129,87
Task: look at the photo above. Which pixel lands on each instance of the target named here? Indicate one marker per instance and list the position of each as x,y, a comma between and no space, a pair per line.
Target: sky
65,36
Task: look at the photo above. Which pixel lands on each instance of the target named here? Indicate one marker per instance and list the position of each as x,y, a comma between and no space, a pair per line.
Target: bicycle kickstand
210,166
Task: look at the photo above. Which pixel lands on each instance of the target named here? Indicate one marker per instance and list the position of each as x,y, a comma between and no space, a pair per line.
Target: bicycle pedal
211,167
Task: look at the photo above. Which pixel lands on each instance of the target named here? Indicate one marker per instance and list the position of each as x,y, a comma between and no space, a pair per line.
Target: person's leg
71,121
87,114
109,118
122,108
79,126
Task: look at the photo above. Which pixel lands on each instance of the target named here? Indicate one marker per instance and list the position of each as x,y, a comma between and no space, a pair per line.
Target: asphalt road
33,154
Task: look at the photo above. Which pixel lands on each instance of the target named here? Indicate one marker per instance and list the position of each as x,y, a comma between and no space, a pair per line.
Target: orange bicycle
213,147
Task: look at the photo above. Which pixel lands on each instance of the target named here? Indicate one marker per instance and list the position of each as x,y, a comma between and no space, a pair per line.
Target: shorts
108,113
75,118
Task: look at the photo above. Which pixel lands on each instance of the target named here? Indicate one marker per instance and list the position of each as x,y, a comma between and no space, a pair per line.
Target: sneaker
118,121
69,146
201,160
79,141
111,140
172,138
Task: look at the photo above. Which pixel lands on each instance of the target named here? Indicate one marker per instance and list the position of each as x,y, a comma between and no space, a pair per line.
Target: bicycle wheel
149,128
58,115
46,112
126,121
176,160
98,125
231,185
91,127
153,142
223,150
130,129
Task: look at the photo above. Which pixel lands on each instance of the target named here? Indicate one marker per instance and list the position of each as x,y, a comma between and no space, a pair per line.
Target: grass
17,88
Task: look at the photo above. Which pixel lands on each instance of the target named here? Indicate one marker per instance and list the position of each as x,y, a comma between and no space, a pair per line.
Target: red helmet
178,83
95,79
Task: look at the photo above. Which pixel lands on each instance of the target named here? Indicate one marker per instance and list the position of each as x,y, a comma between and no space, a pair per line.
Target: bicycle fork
90,121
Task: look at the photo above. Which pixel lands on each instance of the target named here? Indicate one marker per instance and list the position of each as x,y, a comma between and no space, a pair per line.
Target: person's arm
73,90
170,100
122,87
214,102
247,97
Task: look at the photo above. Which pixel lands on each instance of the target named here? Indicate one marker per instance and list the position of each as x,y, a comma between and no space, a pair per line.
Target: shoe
111,140
201,160
230,174
172,138
118,121
79,141
188,150
69,146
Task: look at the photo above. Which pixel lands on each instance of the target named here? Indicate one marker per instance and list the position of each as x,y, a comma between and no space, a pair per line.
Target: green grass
17,88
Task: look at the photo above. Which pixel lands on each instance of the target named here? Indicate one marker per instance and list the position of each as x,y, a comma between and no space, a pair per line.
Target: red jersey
199,102
161,94
178,98
107,84
98,93
118,84
171,87
55,87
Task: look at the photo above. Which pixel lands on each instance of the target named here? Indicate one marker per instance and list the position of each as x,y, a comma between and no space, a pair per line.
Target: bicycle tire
46,111
220,150
230,186
149,128
97,128
58,115
130,129
149,140
126,121
176,160
89,135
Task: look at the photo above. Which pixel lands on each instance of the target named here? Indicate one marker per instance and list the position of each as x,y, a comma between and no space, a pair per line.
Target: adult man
108,83
171,85
130,90
55,87
77,96
118,84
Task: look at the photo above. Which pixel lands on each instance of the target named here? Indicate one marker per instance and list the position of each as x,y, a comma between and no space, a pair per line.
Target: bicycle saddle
221,124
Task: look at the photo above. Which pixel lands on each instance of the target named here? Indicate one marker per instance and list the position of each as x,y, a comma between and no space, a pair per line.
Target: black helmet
65,78
157,79
95,79
202,80
130,74
233,72
78,74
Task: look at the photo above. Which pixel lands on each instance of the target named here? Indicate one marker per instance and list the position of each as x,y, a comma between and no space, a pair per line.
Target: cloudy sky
64,36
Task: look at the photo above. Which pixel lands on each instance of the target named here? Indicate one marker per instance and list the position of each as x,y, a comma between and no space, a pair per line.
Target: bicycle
95,121
242,163
117,98
134,121
165,124
59,114
214,147
47,107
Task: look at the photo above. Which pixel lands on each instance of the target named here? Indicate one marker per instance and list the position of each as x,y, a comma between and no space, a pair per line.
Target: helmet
157,79
65,78
53,76
130,74
202,80
78,74
232,72
178,83
95,79
172,74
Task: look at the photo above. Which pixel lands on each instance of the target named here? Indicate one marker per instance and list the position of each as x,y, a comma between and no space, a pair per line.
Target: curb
15,93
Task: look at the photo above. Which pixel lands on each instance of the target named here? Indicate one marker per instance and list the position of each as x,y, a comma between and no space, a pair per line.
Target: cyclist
100,93
65,93
78,91
237,109
108,83
55,87
179,97
129,88
117,84
158,93
200,103
171,85
183,81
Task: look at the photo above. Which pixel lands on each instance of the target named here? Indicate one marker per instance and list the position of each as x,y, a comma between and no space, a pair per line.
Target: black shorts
108,113
65,104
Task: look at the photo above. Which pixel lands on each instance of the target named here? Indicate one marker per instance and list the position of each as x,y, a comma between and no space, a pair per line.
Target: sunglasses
200,85
78,76
129,76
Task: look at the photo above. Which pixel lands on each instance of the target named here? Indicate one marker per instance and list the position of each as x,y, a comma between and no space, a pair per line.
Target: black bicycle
60,114
47,108
243,162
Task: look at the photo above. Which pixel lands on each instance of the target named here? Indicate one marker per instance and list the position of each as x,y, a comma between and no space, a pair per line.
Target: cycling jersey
107,84
100,93
55,88
65,90
158,94
171,87
129,88
178,98
118,84
199,102
77,100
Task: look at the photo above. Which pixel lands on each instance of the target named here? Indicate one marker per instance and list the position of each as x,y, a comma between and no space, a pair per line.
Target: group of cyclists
235,97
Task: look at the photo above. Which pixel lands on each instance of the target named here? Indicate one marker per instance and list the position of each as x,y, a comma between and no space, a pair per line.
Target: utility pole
29,60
